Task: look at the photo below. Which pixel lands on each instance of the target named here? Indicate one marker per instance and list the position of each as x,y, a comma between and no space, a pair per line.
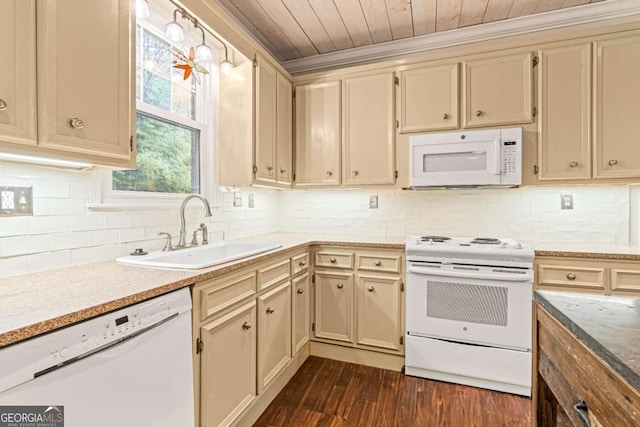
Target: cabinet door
318,134
284,132
498,91
379,312
428,99
369,130
85,84
18,77
565,115
274,333
228,366
617,108
334,306
265,114
300,312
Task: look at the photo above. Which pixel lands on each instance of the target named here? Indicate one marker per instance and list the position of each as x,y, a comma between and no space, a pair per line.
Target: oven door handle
482,276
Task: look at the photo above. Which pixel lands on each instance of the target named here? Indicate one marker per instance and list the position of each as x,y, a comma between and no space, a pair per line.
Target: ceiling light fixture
142,9
173,30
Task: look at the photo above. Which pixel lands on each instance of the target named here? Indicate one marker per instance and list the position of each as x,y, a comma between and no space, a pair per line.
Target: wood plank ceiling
293,29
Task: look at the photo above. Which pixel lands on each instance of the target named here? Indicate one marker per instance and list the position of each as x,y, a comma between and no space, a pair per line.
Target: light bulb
142,9
203,53
174,32
226,66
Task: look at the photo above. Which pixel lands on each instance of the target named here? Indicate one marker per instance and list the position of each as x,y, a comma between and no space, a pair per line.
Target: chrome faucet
183,232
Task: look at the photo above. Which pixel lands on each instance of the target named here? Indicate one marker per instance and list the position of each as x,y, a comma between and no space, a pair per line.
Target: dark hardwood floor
330,393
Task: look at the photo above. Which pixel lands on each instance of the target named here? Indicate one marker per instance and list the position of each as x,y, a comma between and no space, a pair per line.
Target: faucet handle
167,245
205,234
194,240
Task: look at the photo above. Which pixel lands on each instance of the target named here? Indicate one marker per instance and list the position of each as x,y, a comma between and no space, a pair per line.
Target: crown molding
600,12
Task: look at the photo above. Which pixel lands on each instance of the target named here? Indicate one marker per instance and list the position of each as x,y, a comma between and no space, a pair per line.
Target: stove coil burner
435,239
486,241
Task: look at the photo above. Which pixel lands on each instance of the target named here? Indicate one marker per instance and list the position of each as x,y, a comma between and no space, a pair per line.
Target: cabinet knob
332,260
3,105
573,164
613,162
355,173
378,263
76,123
270,310
302,263
370,288
300,291
571,276
479,113
445,116
269,168
246,325
283,171
329,173
340,286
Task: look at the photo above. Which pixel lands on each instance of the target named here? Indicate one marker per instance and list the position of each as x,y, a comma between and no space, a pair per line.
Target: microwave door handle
498,166
482,276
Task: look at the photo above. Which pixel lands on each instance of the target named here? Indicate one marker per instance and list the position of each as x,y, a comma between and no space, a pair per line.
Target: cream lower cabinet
300,313
334,306
274,333
228,366
379,312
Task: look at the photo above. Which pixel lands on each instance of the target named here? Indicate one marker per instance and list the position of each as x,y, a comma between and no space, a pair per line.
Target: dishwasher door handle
506,277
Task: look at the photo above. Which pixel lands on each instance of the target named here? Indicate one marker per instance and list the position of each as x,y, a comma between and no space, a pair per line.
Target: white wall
64,232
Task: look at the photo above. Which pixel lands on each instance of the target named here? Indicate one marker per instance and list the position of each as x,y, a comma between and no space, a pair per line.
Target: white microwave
471,158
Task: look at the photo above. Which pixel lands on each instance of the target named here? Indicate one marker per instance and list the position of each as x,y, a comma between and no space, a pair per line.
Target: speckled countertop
37,303
608,325
611,251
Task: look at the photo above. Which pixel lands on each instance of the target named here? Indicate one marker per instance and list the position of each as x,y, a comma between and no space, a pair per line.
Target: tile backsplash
64,232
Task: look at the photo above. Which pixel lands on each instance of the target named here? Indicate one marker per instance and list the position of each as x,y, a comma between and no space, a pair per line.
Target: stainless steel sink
201,256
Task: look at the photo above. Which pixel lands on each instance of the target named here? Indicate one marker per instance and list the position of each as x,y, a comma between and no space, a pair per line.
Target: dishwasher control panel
77,341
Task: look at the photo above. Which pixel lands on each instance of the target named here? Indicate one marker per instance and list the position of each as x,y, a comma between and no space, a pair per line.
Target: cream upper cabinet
564,93
84,73
228,358
274,333
284,135
617,108
334,306
318,134
18,78
498,90
379,311
428,98
265,116
368,130
300,312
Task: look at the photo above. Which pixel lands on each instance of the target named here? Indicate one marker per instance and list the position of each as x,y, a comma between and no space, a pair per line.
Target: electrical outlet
566,201
16,201
373,202
251,201
237,200
8,199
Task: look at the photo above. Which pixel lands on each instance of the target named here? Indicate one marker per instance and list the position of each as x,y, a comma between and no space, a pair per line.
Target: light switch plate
373,202
251,201
237,200
16,201
566,201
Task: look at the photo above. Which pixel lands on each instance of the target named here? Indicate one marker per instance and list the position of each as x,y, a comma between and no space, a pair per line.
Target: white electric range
468,311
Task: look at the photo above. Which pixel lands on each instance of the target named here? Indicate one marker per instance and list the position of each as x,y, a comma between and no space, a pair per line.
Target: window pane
156,55
157,90
168,159
183,101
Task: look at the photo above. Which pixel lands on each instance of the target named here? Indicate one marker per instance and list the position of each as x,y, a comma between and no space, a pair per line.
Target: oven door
473,304
457,163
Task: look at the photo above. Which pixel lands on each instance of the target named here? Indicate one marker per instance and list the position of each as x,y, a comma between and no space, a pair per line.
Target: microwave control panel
511,155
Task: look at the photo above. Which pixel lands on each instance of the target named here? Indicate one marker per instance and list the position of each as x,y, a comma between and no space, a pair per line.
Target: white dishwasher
131,367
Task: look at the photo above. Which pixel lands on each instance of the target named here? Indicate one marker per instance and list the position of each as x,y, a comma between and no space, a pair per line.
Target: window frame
104,197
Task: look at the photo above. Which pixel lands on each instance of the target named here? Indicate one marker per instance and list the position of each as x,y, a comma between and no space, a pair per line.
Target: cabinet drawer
382,263
571,276
334,259
226,292
625,280
299,263
272,274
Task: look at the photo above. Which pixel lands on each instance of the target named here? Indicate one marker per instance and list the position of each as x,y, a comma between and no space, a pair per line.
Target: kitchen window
175,119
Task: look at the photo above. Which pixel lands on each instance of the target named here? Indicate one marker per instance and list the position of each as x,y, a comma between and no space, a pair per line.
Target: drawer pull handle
613,162
445,116
582,411
571,276
333,260
302,263
370,288
3,105
340,285
573,164
329,173
246,326
300,291
378,263
479,113
270,310
76,123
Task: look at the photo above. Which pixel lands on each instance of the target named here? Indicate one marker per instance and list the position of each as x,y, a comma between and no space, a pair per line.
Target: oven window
455,162
486,305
